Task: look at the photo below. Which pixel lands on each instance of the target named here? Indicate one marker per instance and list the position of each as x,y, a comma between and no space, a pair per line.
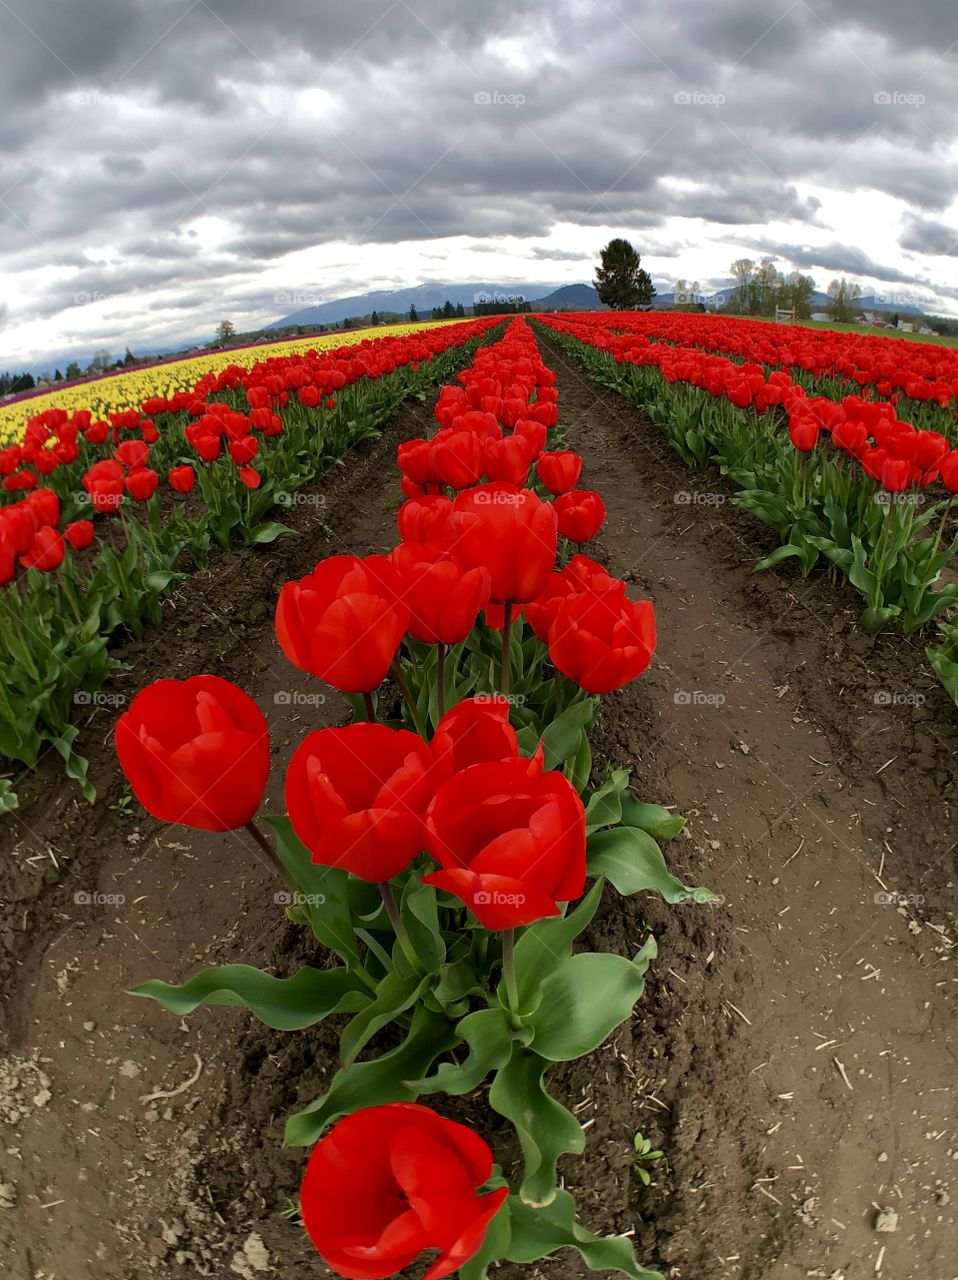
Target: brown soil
806,798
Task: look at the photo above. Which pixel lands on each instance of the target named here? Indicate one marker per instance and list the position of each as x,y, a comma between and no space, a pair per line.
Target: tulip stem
506,648
509,974
271,858
396,920
396,672
370,709
441,678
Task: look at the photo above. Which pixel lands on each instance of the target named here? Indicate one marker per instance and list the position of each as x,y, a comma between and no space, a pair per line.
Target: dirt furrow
803,1048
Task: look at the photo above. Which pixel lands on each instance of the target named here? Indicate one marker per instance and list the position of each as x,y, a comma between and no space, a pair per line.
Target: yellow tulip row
114,393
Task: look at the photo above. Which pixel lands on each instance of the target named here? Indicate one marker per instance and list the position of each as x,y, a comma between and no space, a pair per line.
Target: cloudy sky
169,163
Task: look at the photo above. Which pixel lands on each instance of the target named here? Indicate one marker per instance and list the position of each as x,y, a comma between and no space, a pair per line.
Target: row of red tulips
915,375
848,483
438,845
93,547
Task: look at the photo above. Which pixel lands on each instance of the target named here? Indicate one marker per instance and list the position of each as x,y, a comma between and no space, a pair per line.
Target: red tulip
387,1183
343,622
895,475
141,484
602,640
79,534
132,453
7,561
949,471
46,552
182,479
443,598
559,472
415,461
510,840
45,505
196,752
425,519
539,613
356,797
586,575
581,514
250,477
244,450
475,731
457,457
508,459
512,532
803,433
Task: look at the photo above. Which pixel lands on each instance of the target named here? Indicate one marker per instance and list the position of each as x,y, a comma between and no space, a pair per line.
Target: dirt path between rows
818,771
777,1159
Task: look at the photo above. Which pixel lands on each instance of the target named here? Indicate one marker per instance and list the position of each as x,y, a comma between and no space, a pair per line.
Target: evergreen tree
620,280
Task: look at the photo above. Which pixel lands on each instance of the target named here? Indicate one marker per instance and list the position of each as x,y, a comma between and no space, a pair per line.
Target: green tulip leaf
546,944
560,739
324,893
546,1130
537,1233
604,805
631,860
489,1036
583,1001
288,1004
374,1083
654,819
394,995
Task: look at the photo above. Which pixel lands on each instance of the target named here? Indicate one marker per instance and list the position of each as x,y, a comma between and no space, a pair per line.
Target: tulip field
103,507
398,863
847,447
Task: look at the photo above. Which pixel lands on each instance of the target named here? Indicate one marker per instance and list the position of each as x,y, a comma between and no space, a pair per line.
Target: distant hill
422,296
571,297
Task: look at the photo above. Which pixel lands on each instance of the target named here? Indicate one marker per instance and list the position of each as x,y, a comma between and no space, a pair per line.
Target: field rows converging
429,840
